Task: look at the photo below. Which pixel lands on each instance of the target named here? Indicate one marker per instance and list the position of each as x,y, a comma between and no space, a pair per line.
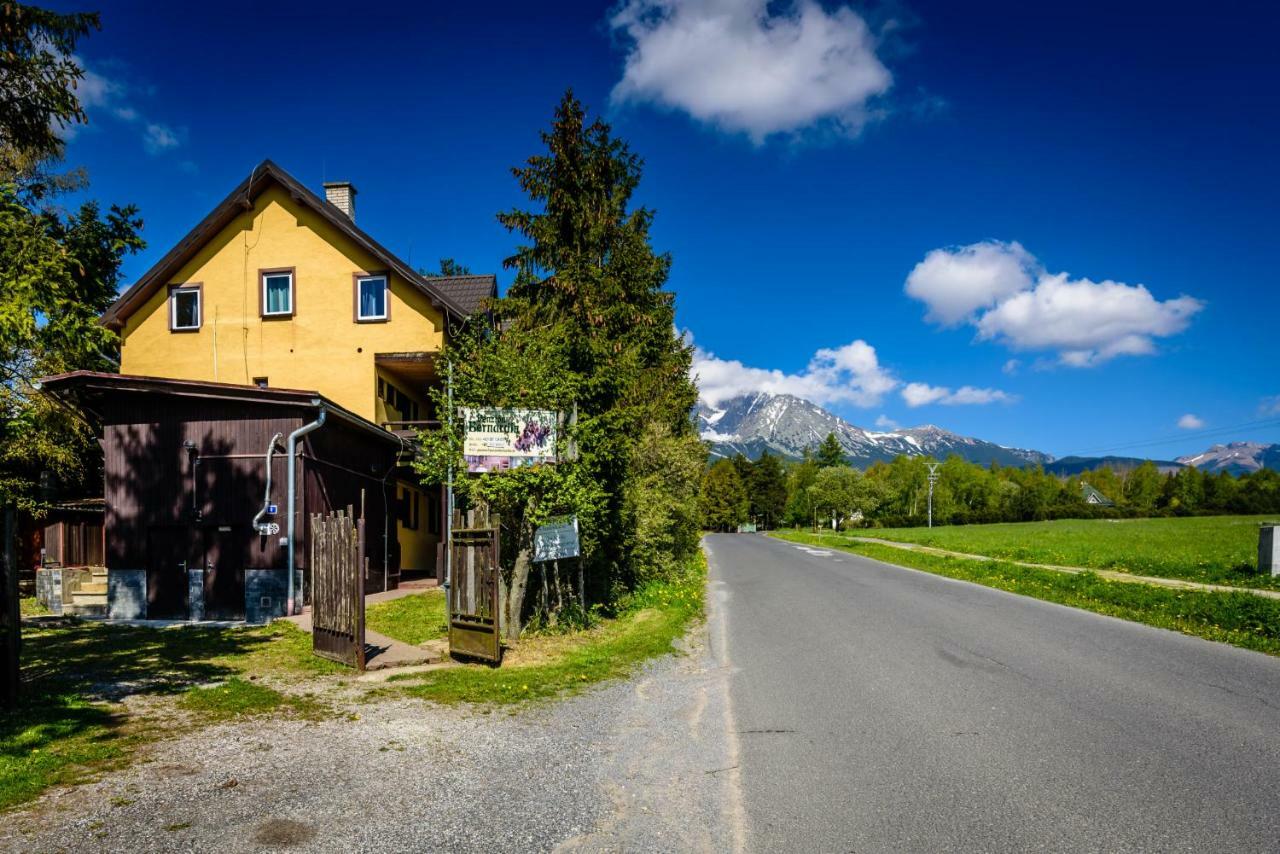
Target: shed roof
89,387
264,175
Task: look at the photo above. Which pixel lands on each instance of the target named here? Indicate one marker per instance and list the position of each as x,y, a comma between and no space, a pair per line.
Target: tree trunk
10,620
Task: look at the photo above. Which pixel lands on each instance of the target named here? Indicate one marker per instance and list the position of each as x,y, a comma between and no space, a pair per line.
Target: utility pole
933,478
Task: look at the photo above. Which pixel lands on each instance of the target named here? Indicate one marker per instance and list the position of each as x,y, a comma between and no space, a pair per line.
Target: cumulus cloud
848,374
101,95
1190,422
1008,297
954,283
923,394
1269,405
1012,366
884,422
748,66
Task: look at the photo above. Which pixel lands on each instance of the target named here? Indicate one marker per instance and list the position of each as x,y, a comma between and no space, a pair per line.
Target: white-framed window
371,297
184,308
277,293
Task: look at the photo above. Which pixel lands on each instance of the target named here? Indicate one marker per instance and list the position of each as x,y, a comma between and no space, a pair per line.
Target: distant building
1093,496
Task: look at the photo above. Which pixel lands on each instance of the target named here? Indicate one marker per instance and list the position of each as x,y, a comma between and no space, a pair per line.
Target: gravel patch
643,765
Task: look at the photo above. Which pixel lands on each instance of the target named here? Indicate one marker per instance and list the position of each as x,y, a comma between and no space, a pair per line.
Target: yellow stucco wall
417,547
321,348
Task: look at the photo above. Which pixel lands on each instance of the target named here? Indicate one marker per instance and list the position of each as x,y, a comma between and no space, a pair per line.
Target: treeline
823,490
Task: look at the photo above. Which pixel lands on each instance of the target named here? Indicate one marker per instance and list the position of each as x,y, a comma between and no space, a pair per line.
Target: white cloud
1012,366
1003,292
1190,422
848,374
104,96
1269,405
922,394
884,422
745,67
157,138
954,283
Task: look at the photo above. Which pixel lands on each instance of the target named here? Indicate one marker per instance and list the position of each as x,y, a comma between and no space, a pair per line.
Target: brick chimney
342,195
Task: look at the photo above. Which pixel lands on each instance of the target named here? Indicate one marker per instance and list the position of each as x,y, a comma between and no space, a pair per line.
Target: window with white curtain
277,293
371,298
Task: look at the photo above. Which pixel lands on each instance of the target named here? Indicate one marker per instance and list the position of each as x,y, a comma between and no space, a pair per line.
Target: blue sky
1047,228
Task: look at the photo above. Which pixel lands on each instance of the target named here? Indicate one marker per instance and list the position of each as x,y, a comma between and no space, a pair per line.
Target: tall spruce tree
587,325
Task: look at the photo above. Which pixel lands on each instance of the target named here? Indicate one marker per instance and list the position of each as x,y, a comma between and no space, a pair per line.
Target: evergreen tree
586,325
830,453
724,497
768,490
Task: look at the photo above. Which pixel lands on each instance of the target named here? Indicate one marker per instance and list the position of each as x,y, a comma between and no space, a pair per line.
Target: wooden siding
170,506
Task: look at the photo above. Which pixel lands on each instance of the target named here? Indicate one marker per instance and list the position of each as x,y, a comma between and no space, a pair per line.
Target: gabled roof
264,175
1093,496
469,292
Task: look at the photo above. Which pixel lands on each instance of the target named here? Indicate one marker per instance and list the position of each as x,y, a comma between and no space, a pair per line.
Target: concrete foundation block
1269,550
127,594
265,593
195,594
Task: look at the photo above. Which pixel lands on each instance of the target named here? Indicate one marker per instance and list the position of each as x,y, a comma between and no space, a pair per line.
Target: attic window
277,293
371,298
184,308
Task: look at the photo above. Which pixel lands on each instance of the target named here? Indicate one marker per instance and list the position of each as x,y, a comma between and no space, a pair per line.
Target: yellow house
278,287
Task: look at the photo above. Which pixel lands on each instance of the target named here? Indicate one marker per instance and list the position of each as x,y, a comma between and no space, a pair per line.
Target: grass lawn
30,606
413,619
1213,549
1241,619
647,625
69,723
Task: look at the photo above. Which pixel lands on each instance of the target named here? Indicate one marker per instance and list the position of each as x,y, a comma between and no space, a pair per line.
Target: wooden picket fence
337,587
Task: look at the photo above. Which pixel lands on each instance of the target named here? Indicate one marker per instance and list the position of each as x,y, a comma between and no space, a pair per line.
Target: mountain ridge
786,425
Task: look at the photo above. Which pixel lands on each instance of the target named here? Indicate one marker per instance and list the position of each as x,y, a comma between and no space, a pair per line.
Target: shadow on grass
62,728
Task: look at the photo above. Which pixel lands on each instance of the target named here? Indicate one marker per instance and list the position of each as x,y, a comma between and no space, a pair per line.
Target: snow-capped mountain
785,425
1236,457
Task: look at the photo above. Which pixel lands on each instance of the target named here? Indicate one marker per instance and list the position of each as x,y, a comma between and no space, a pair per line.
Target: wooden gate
337,587
473,595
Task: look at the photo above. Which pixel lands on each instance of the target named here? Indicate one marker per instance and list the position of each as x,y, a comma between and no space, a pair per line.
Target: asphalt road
882,709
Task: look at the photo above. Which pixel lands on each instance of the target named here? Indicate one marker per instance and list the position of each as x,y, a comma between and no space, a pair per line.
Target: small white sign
556,540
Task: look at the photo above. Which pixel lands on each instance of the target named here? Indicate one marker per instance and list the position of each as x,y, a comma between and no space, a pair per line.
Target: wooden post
10,616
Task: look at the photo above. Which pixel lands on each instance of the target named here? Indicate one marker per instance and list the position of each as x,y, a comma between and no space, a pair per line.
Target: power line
1214,432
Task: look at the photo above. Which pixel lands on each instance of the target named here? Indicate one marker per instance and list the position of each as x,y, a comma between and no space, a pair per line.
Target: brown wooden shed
186,470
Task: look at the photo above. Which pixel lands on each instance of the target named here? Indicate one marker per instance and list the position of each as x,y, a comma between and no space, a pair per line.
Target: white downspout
293,496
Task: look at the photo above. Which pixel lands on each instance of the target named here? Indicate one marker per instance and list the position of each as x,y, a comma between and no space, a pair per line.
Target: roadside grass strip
71,725
1205,549
647,624
412,619
1239,618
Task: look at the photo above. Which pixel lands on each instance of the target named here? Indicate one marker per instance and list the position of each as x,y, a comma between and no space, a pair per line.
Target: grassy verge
70,725
1241,619
647,624
1210,549
29,606
413,619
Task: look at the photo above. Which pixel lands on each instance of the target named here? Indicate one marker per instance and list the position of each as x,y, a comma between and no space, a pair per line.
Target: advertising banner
502,439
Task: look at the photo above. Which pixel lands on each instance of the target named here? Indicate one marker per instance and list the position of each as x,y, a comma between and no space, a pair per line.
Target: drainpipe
266,498
292,452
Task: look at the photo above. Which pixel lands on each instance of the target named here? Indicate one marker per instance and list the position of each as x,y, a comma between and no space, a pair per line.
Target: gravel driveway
645,765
